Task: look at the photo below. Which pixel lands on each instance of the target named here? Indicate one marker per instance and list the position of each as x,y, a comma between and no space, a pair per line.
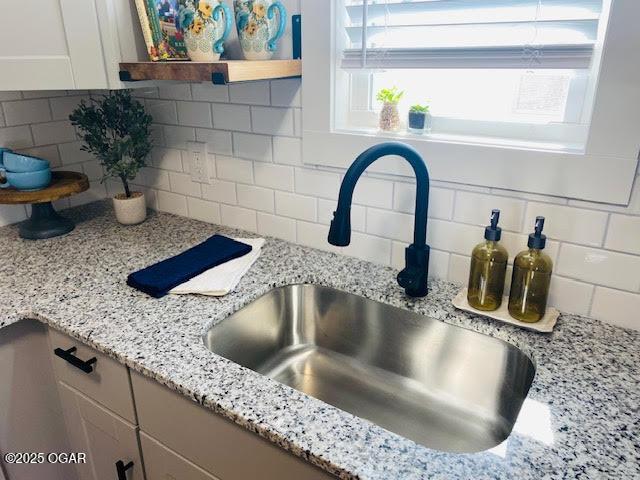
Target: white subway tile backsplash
574,225
602,267
175,92
97,191
257,198
297,122
253,93
238,217
570,296
269,175
398,226
475,208
52,132
217,141
12,214
163,111
167,159
296,206
93,170
440,200
208,92
229,116
623,234
177,137
317,183
358,214
453,237
272,120
220,191
8,96
286,92
181,183
366,247
459,269
203,210
71,153
172,203
194,114
275,226
16,137
313,235
62,107
22,112
616,307
154,178
252,147
287,150
374,192
234,169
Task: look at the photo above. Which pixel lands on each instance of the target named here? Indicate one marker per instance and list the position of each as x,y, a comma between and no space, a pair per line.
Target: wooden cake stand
45,222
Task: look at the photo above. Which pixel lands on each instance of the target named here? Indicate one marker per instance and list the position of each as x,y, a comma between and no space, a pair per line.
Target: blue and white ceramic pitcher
259,27
205,24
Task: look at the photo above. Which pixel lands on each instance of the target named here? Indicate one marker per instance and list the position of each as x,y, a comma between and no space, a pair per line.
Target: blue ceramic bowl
29,180
14,162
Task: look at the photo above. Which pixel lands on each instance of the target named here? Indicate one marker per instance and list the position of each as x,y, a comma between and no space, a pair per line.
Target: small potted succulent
389,116
117,130
419,119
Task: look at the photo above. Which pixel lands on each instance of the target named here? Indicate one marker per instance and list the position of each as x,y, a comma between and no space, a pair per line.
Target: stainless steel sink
442,386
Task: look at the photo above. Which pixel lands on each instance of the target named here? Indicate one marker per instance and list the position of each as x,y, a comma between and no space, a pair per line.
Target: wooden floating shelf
220,73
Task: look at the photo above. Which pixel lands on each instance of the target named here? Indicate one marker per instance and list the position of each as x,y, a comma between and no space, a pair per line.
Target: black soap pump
531,278
488,269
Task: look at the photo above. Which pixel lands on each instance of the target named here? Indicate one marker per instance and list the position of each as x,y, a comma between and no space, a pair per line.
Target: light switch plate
198,163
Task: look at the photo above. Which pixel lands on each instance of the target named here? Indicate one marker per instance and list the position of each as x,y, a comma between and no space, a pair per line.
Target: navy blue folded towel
156,280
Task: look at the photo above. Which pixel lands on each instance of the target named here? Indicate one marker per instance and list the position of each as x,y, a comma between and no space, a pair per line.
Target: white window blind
470,33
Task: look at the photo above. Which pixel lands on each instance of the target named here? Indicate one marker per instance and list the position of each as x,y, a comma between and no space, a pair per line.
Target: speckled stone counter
581,418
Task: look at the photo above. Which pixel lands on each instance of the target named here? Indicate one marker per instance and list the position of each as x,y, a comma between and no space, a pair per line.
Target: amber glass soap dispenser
488,268
531,278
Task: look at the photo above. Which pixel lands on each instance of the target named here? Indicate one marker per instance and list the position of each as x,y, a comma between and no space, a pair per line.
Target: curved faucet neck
422,182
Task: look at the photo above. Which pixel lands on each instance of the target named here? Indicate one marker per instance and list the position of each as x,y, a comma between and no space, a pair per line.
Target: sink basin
442,386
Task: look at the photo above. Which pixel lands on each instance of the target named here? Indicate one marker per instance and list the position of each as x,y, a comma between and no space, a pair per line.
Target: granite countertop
581,418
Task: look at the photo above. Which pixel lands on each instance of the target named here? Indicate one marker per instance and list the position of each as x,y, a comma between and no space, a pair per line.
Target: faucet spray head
340,229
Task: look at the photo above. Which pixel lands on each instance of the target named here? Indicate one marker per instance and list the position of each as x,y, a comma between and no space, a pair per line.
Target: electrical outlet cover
198,162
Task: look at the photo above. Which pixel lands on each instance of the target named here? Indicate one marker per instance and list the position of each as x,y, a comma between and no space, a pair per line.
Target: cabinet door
104,437
51,45
162,463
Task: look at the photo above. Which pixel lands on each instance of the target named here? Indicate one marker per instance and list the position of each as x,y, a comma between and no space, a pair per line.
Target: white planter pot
130,211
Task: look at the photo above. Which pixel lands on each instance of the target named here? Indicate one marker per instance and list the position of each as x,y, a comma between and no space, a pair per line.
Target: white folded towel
220,280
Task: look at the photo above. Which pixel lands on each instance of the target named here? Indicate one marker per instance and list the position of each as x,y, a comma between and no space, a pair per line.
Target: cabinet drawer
161,463
215,444
108,382
105,438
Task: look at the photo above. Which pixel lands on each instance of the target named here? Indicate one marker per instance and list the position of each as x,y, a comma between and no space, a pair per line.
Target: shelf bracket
296,36
217,78
125,76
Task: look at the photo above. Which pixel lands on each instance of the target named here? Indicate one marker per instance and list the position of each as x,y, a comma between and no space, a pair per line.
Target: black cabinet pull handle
121,468
84,365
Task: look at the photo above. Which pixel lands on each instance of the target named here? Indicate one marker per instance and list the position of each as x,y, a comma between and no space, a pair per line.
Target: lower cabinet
162,463
110,442
194,436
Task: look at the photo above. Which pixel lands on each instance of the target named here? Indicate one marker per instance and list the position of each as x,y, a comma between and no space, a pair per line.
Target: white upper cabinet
68,44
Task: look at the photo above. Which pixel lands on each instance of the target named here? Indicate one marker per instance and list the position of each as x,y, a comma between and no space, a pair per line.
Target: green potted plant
117,130
389,116
419,119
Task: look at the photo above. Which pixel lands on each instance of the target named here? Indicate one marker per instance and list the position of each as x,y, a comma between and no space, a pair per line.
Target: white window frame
603,172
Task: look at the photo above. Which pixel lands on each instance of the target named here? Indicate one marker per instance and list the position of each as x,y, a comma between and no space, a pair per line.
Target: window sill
477,140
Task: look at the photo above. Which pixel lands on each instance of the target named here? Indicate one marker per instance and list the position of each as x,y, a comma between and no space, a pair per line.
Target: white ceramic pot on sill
132,210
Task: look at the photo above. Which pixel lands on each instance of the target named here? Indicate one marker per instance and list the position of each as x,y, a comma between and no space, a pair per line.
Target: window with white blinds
489,34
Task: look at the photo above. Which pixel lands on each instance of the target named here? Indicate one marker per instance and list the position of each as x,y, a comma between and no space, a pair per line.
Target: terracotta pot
132,210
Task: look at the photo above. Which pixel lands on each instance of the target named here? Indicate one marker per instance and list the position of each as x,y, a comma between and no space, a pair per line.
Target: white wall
259,184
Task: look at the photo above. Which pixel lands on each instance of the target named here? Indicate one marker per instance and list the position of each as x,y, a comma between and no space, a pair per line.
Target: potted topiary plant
116,129
419,119
389,116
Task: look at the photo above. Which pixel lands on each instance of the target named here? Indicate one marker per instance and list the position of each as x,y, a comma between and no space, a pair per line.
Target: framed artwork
158,20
